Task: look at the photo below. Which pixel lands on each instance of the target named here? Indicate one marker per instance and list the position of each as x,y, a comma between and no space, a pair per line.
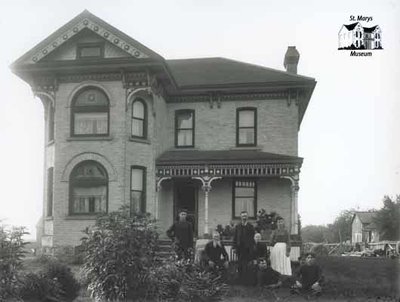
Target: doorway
185,197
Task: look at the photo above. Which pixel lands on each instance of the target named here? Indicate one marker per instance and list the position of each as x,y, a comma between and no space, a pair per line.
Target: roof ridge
270,69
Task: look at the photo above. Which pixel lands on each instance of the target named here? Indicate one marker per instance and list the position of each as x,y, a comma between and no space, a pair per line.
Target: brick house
126,126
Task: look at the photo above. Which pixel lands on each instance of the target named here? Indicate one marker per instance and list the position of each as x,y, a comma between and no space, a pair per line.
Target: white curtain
83,196
90,123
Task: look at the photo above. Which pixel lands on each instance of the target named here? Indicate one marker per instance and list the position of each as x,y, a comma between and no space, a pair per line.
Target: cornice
93,26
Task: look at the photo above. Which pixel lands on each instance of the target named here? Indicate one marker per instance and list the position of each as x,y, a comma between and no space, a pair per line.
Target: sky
350,134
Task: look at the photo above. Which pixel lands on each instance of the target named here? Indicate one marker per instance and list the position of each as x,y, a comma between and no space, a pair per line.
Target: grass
346,279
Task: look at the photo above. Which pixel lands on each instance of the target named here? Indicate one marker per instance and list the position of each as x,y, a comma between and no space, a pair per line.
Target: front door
185,198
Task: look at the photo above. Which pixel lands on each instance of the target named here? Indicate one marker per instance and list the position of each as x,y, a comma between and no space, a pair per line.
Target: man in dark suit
181,232
243,243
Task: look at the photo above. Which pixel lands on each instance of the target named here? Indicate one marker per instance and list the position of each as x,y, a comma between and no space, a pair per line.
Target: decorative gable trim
95,27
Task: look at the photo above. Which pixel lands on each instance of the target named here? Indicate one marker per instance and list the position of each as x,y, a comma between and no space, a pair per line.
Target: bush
119,251
11,255
39,287
320,250
63,275
53,280
183,282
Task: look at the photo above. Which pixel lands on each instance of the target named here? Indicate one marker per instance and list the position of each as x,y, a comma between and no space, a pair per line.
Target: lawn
346,279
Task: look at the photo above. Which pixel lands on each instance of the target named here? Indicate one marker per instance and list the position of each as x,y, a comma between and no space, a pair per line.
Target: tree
314,233
387,219
341,227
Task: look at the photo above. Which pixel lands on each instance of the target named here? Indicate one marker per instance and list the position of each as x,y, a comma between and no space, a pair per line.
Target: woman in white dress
280,260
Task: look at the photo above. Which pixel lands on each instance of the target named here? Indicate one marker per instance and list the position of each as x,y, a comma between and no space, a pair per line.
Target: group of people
255,264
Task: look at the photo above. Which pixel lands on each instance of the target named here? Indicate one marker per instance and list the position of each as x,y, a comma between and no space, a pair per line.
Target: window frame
180,111
238,110
72,183
251,215
144,183
89,109
81,46
140,119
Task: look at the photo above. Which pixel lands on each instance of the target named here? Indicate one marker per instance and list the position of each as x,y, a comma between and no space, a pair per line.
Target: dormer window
90,51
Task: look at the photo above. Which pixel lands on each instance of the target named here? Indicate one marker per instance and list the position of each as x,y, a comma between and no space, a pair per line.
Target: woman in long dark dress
280,260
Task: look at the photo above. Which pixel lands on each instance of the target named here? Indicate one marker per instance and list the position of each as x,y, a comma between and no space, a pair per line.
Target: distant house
363,227
356,36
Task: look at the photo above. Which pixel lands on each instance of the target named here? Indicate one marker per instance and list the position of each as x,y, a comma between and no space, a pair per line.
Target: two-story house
355,36
124,126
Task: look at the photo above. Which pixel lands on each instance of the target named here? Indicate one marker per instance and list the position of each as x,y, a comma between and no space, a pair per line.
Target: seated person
260,249
216,253
266,276
309,275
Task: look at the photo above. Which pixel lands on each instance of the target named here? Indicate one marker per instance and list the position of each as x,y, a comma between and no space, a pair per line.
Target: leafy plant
60,272
119,251
11,255
176,281
226,231
40,287
265,220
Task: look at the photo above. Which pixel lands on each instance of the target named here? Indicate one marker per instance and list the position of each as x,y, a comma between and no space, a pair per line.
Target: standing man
243,243
181,232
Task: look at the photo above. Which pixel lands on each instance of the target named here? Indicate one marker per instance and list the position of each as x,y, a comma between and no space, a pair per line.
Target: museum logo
359,39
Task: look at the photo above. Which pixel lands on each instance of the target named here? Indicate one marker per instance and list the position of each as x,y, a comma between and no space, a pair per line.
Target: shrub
11,255
119,251
52,274
172,281
320,250
39,287
60,272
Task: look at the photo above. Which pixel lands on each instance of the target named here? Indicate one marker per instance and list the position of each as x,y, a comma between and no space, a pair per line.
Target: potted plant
227,231
265,223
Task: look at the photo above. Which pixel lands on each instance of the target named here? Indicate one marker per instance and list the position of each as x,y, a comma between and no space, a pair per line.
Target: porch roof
199,157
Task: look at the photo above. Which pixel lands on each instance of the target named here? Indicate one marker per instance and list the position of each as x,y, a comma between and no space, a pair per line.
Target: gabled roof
367,219
86,21
223,156
351,26
370,29
217,71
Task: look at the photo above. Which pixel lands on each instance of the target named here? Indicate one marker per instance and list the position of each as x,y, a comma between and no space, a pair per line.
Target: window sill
49,218
89,138
256,148
139,140
81,217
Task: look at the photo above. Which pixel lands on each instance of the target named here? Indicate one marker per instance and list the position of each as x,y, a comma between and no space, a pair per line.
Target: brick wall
215,128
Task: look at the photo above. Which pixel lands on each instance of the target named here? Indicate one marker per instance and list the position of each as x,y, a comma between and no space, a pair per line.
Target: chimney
291,59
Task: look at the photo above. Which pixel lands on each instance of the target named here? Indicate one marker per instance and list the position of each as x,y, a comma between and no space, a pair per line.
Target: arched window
139,118
88,189
90,113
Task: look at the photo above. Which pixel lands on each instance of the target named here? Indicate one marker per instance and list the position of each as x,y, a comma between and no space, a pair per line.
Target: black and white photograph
200,150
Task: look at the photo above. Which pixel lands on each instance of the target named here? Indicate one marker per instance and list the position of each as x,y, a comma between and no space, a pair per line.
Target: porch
215,186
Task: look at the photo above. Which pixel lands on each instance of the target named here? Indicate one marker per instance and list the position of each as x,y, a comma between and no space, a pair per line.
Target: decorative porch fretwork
229,170
206,181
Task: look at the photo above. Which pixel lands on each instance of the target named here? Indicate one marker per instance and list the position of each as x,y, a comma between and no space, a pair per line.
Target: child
266,276
309,276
